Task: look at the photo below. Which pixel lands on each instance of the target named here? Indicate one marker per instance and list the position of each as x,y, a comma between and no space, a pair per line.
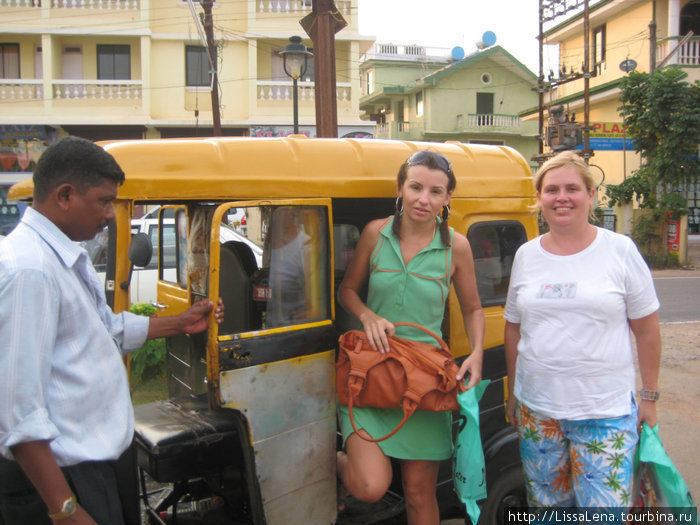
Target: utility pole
566,133
211,46
540,83
321,25
586,83
652,39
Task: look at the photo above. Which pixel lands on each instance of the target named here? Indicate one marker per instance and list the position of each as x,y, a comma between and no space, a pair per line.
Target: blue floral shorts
586,463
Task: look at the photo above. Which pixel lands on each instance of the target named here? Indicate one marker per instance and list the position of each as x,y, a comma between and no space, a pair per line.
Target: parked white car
144,279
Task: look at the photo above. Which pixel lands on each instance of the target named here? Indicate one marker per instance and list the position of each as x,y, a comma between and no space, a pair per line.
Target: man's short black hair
74,161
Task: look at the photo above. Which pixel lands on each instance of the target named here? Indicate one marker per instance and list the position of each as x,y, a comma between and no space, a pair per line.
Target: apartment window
38,63
113,62
9,60
599,49
197,66
419,104
370,82
484,109
400,115
484,103
72,62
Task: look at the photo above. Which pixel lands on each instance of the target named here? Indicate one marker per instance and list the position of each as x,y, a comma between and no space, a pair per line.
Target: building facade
414,95
624,35
126,69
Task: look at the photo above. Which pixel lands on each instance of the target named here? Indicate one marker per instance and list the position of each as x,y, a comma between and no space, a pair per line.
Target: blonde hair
563,159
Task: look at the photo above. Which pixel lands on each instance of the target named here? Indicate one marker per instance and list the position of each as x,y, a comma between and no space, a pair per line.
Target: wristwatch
649,395
69,507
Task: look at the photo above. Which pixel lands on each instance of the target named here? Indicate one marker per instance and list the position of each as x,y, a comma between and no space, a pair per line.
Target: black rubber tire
507,491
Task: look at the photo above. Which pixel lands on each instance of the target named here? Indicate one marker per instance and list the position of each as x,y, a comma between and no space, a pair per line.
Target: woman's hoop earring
446,212
399,202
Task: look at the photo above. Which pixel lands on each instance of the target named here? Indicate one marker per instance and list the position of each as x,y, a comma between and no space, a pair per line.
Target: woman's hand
471,368
378,331
511,407
647,413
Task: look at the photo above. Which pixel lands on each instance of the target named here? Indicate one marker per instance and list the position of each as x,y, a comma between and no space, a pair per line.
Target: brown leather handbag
411,376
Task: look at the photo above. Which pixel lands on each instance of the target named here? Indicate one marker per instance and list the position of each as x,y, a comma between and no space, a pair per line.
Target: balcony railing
410,52
687,55
97,89
398,130
282,90
115,5
20,3
298,6
21,90
491,121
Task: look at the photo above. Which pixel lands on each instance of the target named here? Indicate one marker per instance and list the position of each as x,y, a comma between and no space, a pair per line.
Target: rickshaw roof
240,168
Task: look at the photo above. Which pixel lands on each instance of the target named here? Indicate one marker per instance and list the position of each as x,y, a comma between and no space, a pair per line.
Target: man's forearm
164,326
39,464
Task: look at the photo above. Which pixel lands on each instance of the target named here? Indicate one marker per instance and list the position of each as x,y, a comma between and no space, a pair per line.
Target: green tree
662,114
148,361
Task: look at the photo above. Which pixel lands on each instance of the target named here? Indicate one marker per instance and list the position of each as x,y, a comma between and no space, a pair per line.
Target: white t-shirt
575,358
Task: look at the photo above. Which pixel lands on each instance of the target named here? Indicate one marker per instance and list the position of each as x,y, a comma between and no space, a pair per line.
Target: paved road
679,295
679,290
679,422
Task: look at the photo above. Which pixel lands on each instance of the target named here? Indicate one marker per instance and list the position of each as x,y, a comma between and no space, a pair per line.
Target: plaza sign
609,136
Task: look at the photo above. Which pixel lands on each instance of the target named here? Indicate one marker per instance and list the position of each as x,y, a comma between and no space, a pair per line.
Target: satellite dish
457,53
487,40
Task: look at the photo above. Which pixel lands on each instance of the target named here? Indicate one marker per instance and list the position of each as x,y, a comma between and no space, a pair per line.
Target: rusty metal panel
277,397
296,473
290,409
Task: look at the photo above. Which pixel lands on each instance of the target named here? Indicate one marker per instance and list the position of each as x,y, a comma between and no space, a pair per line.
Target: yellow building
117,69
619,36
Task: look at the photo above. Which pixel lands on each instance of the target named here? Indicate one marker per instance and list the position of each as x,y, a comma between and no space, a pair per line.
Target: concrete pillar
47,70
674,17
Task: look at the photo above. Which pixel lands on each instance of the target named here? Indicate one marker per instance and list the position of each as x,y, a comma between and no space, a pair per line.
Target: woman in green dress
410,259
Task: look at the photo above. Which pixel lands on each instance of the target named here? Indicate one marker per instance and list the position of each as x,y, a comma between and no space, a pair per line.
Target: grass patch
153,389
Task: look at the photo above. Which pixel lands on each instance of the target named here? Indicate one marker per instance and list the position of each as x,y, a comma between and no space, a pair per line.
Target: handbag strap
409,407
432,334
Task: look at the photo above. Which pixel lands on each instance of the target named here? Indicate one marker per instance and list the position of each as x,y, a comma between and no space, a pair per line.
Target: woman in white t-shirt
575,293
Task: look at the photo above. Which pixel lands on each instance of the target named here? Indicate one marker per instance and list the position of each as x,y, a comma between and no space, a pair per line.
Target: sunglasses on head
419,157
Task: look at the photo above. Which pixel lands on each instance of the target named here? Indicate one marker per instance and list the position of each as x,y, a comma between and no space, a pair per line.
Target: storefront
20,149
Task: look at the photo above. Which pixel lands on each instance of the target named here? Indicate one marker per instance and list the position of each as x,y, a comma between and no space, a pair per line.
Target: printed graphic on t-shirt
557,291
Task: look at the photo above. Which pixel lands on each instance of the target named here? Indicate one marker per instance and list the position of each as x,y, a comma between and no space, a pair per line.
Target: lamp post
295,56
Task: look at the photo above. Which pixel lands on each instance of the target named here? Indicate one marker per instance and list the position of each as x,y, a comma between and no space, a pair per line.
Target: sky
445,24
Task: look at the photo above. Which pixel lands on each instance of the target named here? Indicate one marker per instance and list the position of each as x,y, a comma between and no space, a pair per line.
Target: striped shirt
63,378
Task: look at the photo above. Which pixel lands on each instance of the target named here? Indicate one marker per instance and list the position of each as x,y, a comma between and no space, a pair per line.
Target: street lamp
295,56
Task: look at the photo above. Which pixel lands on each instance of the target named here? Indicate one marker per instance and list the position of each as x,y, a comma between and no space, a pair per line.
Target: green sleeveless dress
416,292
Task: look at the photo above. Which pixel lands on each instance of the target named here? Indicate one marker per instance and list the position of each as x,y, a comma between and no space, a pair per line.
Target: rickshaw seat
180,439
235,287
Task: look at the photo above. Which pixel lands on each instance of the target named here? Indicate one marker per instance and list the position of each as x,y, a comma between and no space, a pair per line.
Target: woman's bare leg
419,484
365,471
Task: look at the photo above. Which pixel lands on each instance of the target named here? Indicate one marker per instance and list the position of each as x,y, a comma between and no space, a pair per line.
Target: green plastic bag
468,460
657,482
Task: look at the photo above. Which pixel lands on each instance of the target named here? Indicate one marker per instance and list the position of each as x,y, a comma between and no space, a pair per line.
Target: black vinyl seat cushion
179,439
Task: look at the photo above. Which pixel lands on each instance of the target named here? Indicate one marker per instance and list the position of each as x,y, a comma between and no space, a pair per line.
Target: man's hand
192,321
196,318
39,464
